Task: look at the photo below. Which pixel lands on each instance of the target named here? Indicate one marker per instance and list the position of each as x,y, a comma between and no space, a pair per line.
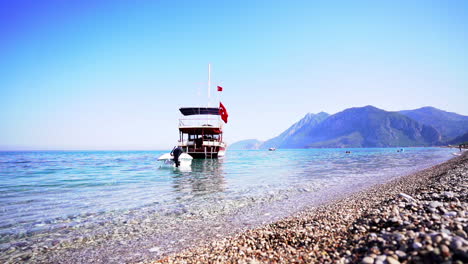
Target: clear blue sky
112,74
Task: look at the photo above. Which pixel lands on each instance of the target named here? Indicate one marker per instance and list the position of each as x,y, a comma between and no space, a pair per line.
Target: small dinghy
167,160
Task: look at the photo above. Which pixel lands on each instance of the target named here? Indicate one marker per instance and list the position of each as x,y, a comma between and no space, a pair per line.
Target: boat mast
209,83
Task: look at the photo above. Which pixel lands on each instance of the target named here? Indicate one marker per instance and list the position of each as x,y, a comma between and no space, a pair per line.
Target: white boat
201,129
272,149
167,160
200,135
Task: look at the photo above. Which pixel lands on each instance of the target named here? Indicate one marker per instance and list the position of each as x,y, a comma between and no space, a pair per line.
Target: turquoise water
52,198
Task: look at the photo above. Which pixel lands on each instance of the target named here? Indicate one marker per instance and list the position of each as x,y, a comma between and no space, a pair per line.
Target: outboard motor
176,153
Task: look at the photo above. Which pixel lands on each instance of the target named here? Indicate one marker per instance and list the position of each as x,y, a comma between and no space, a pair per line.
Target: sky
111,75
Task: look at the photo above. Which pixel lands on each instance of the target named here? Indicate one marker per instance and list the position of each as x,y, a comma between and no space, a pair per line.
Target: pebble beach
418,218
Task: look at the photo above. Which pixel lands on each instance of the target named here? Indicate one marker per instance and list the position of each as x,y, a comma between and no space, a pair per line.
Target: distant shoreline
343,231
168,149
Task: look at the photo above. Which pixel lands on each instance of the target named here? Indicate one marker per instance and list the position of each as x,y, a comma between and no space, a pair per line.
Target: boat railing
205,143
199,122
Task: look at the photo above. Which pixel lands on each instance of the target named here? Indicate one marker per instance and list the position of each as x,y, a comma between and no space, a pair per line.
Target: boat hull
205,153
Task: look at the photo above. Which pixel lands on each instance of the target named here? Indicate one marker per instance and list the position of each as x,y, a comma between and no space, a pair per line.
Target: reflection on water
205,177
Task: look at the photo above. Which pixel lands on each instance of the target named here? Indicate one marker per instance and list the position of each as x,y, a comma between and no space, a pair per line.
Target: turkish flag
223,112
220,89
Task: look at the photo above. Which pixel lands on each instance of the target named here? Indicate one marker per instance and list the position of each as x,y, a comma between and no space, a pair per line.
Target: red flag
220,89
223,112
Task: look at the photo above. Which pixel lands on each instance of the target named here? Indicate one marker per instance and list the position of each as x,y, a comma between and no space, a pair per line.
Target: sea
123,207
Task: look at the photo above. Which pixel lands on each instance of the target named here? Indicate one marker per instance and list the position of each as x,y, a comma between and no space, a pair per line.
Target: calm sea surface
54,201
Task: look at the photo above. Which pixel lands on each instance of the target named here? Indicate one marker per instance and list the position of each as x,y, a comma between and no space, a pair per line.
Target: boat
167,160
201,131
272,149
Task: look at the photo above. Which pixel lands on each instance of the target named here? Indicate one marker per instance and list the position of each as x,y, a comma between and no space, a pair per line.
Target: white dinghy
167,160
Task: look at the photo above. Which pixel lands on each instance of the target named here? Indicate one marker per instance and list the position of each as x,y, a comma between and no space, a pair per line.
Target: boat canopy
186,111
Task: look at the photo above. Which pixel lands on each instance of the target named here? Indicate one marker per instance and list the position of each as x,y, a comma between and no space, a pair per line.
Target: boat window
192,137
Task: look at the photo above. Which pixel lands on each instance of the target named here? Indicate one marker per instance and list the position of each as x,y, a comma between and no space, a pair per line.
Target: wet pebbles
419,218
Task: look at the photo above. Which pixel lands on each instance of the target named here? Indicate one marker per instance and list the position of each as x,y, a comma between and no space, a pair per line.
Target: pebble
448,194
407,197
392,260
417,245
451,214
435,217
368,260
445,250
154,249
400,254
381,257
461,234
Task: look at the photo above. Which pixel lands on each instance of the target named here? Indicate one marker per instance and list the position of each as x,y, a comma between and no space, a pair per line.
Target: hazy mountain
308,122
450,125
246,144
365,127
463,139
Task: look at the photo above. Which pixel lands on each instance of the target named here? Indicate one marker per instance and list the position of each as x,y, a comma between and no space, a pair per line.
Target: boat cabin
201,132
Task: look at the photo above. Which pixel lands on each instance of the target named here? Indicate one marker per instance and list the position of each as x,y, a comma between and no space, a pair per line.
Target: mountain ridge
246,144
309,120
370,126
449,124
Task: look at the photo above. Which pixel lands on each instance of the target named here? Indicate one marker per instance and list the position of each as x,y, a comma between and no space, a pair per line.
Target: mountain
450,125
463,139
309,121
246,144
365,127
371,127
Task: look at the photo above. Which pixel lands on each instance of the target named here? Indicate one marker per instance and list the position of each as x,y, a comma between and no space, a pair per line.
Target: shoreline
415,218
